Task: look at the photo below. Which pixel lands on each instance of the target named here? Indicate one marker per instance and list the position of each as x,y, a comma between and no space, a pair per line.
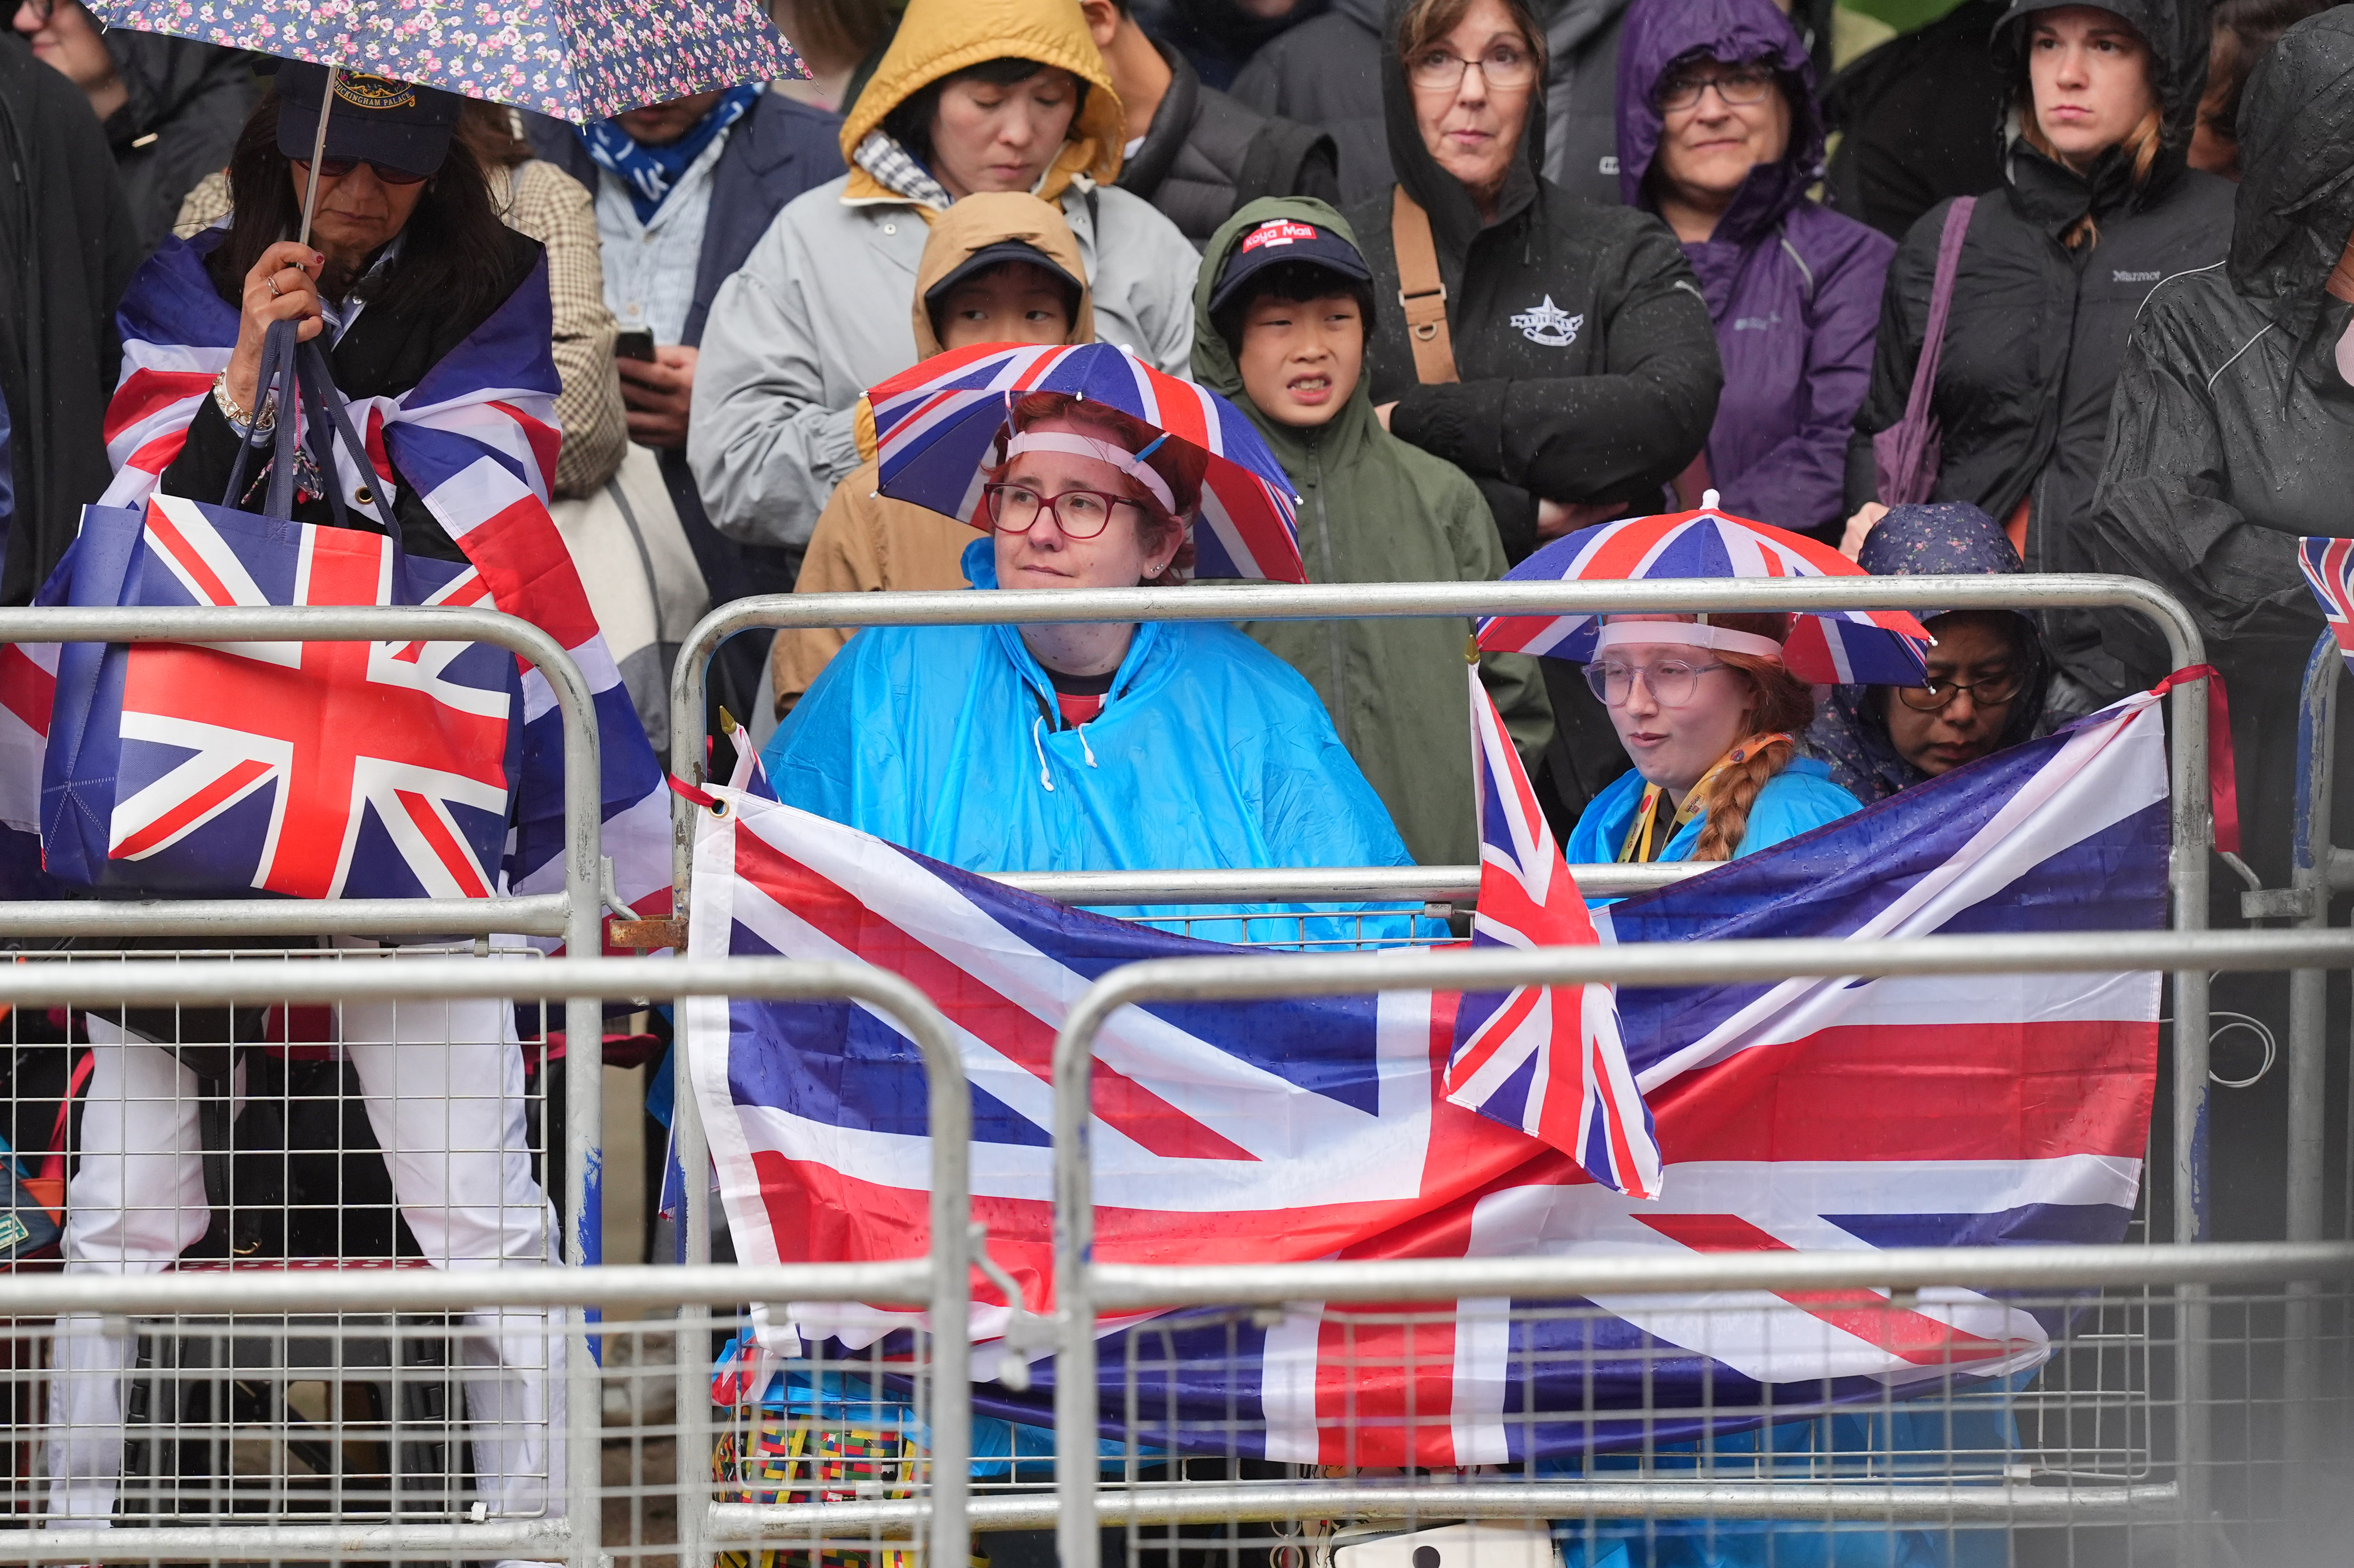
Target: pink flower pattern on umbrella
577,59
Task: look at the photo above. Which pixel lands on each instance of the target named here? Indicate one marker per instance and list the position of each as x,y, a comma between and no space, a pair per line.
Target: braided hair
1777,700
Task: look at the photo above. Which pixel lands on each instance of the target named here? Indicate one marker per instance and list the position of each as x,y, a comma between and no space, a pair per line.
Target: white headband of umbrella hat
1620,633
1129,463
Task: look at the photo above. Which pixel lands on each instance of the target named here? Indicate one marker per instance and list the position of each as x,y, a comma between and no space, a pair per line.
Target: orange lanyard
1638,847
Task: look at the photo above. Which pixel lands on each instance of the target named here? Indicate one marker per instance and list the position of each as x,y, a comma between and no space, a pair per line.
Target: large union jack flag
476,439
1814,1113
1547,1060
2329,564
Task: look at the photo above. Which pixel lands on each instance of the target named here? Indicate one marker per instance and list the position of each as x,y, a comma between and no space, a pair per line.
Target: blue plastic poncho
1210,752
1799,800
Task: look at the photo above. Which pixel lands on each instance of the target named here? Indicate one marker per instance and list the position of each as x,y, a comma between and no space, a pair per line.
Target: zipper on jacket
1335,631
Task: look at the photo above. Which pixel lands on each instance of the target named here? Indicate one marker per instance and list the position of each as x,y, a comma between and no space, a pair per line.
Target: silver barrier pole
943,1275
575,914
1490,970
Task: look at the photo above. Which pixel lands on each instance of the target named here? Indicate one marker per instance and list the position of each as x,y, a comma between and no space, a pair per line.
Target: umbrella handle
318,151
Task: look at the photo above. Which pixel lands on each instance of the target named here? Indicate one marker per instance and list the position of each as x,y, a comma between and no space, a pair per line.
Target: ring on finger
275,291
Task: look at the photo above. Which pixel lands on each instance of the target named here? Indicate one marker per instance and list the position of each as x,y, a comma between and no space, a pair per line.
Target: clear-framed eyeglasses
1673,682
1506,66
1079,513
1736,85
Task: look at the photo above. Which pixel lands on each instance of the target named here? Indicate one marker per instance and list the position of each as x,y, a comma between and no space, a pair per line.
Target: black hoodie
188,102
2232,432
1588,362
2038,332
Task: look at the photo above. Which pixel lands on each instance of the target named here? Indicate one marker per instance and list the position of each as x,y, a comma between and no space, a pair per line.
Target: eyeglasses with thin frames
1994,691
1672,681
1742,85
1505,66
336,168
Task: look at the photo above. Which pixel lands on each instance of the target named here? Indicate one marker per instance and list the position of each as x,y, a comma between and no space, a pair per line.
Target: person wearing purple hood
1720,135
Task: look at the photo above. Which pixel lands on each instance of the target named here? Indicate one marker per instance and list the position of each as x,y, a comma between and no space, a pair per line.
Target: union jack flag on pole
1544,1059
2329,566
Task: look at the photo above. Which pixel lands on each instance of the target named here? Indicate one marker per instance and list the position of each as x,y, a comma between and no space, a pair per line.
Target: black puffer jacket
188,102
1588,362
2232,432
1207,155
2038,331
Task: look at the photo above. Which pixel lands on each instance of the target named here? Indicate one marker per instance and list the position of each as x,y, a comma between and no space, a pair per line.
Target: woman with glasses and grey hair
1718,133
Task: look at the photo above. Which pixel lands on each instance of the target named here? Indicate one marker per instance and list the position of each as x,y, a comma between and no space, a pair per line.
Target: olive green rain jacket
1376,510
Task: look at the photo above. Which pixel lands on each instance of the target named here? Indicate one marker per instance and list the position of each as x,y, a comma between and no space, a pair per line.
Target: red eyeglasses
336,168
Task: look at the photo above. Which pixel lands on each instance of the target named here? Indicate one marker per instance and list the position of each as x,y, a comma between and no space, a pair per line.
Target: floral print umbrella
576,60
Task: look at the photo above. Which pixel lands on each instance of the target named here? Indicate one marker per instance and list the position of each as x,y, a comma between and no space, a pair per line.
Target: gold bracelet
242,422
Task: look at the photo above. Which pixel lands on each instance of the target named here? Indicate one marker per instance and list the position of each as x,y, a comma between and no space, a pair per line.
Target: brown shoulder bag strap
1420,291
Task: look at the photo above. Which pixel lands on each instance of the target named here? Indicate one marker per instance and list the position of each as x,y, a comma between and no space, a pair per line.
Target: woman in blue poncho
1097,747
1712,721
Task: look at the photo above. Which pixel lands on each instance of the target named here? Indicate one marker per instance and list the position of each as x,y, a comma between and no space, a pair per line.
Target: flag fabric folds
1810,1113
2329,566
1545,1059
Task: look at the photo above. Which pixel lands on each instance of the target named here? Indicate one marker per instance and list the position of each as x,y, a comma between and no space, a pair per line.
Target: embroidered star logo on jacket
1549,324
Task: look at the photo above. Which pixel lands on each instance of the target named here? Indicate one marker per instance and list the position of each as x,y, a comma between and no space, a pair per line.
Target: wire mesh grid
1937,1428
366,1135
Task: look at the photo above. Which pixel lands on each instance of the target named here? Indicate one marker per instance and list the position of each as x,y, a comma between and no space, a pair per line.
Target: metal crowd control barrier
1085,1288
938,1282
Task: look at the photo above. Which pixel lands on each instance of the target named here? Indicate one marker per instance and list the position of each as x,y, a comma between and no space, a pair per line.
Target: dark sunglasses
336,168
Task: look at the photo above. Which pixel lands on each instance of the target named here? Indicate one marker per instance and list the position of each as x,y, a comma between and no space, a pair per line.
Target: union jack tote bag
309,770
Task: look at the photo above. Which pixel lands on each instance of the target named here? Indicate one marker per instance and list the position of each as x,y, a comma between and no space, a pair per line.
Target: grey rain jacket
2038,331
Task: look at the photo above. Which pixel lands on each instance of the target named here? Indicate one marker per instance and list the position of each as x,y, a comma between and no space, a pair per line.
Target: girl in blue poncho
1711,721
1083,747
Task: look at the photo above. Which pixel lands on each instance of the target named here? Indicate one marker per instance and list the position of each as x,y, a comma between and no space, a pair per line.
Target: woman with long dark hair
2096,207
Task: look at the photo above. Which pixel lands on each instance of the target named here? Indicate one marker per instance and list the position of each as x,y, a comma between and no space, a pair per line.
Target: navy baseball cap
373,118
997,255
1280,239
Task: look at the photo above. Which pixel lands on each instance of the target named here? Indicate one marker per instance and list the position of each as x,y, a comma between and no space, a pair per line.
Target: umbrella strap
2222,771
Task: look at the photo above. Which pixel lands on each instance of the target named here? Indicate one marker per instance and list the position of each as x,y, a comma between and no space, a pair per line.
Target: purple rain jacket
1793,288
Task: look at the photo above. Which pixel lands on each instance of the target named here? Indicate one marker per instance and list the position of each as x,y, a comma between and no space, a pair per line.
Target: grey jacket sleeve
765,448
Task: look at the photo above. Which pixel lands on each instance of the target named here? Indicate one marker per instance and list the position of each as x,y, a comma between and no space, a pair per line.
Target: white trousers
444,1091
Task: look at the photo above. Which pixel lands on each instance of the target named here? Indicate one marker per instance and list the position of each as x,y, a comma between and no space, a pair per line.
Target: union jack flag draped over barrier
477,439
1813,1113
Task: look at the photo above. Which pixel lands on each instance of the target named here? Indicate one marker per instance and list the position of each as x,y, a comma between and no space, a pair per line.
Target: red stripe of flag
1912,1337
1019,1035
26,690
227,787
147,393
166,532
546,440
453,855
522,560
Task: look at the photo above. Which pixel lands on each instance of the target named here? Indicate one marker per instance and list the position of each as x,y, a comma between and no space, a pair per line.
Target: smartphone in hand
634,345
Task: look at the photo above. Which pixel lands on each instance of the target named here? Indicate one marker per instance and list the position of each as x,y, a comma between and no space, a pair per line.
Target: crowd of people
1479,273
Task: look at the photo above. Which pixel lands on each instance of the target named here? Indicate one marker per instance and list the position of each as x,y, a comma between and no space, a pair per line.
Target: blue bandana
651,173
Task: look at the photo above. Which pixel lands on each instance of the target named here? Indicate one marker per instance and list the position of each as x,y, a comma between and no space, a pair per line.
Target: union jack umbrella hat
1831,647
936,428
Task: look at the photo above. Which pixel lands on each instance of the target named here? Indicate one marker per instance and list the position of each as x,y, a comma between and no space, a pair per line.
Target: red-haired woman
2097,208
1711,721
1100,745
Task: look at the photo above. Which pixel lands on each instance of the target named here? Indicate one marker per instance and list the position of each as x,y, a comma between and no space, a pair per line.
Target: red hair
1180,467
1777,702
